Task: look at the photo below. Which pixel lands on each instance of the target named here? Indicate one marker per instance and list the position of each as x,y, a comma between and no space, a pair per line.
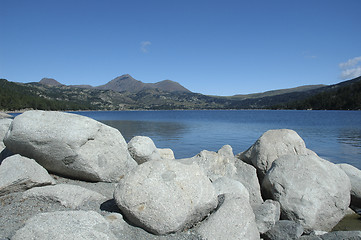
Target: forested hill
343,96
19,96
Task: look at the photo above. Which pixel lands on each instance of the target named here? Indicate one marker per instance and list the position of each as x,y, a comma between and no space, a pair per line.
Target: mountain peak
124,77
170,86
50,82
126,82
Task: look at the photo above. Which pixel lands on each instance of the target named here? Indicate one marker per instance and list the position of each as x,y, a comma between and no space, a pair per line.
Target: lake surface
333,135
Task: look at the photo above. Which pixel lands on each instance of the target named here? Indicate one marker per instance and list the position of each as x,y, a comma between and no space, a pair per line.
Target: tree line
343,98
16,97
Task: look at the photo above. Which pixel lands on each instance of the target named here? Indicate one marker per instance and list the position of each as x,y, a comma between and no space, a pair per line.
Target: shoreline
159,110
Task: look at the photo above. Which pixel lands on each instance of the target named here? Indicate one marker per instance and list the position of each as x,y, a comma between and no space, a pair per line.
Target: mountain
170,86
50,82
16,96
279,92
124,83
127,83
342,96
20,96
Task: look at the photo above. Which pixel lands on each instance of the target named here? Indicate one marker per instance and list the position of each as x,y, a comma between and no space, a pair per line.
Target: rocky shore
65,176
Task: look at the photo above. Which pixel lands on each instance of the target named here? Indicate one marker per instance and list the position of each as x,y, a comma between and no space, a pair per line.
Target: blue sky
219,47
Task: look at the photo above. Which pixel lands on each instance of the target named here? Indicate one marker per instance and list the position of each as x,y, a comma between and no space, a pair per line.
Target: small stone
143,149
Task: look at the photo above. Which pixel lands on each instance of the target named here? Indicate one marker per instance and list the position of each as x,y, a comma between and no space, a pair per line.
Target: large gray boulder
270,146
234,219
165,196
70,145
354,175
311,191
19,173
80,225
267,214
4,127
224,164
68,195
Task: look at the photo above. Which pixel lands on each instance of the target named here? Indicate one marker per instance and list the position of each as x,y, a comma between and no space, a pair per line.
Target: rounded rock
71,145
165,196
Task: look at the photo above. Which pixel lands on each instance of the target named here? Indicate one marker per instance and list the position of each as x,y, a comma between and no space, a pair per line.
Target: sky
215,47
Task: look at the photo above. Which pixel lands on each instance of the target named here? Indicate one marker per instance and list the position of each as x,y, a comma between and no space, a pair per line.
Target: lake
333,135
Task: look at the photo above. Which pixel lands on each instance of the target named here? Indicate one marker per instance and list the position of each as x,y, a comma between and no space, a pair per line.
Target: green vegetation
337,97
16,97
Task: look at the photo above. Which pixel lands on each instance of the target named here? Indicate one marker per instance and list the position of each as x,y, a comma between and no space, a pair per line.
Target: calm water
334,135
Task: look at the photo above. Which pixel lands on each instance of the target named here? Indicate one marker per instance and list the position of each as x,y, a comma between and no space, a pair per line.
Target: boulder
71,145
267,214
344,235
19,173
224,164
68,195
216,164
4,127
270,146
285,230
165,196
311,191
143,149
226,185
247,175
80,225
354,175
234,219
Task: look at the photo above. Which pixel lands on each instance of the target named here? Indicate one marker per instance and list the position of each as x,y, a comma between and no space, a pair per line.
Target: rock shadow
110,206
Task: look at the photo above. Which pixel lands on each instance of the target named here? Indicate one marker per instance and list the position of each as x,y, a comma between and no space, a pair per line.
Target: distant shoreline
157,110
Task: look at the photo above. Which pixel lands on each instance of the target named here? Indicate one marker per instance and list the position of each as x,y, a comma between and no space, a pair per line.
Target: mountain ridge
125,83
16,96
270,93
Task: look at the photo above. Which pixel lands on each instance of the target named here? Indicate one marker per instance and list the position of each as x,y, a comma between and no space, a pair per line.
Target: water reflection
333,135
351,136
163,130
